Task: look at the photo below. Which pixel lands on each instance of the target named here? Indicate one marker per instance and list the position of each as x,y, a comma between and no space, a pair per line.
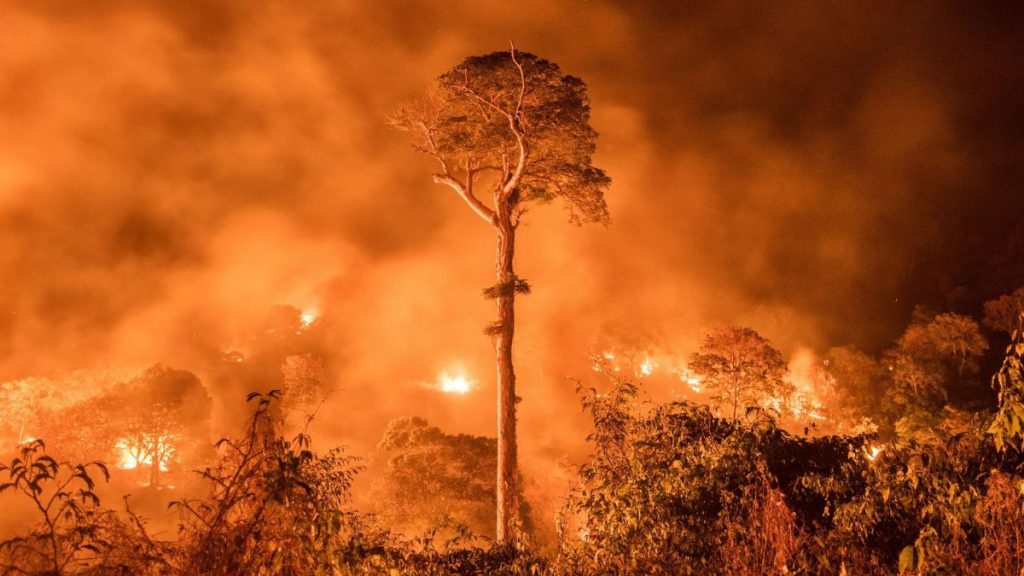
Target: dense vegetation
933,485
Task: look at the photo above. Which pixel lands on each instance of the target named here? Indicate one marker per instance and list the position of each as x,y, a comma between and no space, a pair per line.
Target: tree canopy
517,120
741,367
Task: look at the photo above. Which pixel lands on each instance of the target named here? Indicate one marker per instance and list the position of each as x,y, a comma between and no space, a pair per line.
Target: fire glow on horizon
454,382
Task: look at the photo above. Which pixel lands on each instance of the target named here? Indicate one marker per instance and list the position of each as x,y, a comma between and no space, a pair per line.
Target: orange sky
170,171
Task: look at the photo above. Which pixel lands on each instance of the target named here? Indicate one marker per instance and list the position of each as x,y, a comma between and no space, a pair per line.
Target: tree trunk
508,506
154,467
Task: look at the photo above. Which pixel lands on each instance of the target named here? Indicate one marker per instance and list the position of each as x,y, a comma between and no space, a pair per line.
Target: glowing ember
132,455
456,383
308,317
873,451
647,367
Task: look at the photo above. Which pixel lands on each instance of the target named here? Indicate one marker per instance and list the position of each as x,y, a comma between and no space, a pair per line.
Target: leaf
909,559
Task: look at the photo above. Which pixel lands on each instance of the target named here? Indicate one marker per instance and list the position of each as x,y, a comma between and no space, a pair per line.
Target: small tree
68,536
513,123
934,360
435,480
741,367
950,340
857,384
274,507
1006,313
158,414
304,379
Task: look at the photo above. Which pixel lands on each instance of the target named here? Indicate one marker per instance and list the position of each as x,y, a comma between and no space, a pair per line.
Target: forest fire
134,454
647,367
454,382
368,288
307,317
873,451
690,379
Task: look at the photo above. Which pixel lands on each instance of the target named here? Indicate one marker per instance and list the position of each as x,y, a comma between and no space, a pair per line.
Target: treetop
514,122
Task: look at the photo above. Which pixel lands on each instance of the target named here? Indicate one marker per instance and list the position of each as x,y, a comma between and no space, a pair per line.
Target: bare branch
432,151
522,84
515,123
465,89
481,210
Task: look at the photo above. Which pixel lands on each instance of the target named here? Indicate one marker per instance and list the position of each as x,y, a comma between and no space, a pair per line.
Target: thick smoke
170,171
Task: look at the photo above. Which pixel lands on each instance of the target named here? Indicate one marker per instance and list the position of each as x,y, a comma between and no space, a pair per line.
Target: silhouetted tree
950,340
513,123
934,363
159,414
741,367
304,385
432,479
858,384
1006,313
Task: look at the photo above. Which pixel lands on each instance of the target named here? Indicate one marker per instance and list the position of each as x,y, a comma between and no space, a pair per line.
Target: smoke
169,172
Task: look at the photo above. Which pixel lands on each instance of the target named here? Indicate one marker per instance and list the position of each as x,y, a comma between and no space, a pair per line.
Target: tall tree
741,367
512,123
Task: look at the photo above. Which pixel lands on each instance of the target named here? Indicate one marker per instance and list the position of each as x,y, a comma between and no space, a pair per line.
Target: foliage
1006,313
741,367
275,507
673,489
1007,428
769,540
158,418
304,379
434,480
514,116
69,536
858,384
159,414
27,404
669,488
948,338
934,363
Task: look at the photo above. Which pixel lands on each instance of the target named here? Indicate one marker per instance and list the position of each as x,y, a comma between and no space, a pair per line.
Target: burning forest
540,288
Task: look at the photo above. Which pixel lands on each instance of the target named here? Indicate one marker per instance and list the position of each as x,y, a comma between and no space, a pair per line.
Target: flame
647,367
774,403
873,452
691,380
131,455
454,383
606,362
307,317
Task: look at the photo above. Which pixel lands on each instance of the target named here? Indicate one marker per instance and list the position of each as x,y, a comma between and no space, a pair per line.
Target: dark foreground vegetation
670,489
